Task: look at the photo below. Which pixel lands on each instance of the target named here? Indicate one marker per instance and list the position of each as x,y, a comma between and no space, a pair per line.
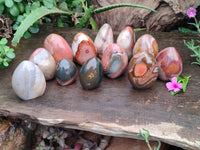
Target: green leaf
9,3
63,6
6,49
28,9
2,1
59,22
5,64
85,18
33,17
3,41
186,30
1,9
35,5
20,18
14,11
10,55
21,7
15,26
18,1
185,82
34,29
174,93
27,35
76,2
48,3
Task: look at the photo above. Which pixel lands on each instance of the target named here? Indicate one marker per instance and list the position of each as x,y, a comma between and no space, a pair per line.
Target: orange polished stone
86,50
58,47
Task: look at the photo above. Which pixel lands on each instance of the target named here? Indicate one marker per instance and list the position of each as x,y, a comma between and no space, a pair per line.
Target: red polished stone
86,50
58,47
169,63
114,60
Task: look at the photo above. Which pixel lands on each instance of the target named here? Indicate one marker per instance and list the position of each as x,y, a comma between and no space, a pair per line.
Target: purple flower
173,85
191,12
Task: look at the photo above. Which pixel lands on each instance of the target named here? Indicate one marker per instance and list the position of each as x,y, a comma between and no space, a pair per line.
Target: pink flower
173,85
191,12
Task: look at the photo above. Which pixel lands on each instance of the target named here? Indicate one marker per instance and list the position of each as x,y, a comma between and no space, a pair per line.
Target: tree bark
169,13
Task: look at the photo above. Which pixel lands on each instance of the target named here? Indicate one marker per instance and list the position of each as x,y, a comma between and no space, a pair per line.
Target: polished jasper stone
66,72
169,63
114,61
142,70
28,81
91,74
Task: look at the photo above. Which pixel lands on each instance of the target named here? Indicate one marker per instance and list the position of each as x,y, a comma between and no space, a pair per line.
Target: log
170,12
115,108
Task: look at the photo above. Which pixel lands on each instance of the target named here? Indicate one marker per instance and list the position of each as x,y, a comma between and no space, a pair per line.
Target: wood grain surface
115,108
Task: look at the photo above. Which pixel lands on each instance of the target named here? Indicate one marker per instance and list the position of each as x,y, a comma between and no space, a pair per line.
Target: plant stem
98,10
149,146
197,25
91,20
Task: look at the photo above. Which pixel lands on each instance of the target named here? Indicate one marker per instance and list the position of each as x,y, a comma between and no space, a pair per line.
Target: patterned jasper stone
126,40
58,47
142,70
66,72
86,50
146,43
114,60
28,81
45,61
103,39
169,63
91,74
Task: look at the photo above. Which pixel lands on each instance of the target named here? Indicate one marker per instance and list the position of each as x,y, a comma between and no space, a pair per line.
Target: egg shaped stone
28,81
146,43
169,63
126,40
58,47
66,72
142,70
114,60
45,61
85,51
78,38
91,74
103,39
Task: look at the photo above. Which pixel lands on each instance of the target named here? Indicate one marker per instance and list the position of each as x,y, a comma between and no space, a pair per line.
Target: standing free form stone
58,47
66,72
86,50
146,43
142,70
83,48
126,40
28,81
91,74
169,63
45,61
103,39
114,60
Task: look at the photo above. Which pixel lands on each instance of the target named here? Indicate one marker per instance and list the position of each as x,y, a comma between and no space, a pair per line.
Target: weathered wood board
115,108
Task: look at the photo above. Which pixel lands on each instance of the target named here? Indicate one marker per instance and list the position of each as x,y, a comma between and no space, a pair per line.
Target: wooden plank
115,108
